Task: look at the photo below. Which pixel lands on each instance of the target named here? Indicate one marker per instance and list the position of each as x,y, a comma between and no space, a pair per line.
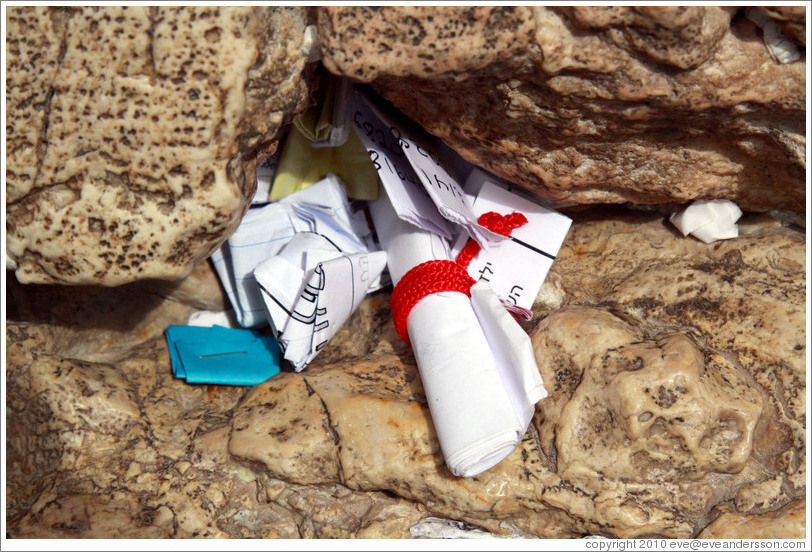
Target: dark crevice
152,68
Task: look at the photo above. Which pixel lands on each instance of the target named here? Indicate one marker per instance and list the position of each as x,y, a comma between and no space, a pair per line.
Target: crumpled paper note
322,208
709,220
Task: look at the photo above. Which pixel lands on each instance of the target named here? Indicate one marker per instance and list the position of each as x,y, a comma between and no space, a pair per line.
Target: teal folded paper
222,356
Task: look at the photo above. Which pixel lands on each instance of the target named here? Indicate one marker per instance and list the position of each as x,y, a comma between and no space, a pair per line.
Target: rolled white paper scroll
477,365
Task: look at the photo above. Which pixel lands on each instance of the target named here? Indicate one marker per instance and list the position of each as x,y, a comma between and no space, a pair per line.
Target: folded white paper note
409,198
779,46
709,220
310,289
322,208
443,189
477,365
516,267
262,232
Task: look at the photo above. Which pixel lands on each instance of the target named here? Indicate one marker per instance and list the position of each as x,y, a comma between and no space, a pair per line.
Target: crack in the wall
61,18
329,426
153,15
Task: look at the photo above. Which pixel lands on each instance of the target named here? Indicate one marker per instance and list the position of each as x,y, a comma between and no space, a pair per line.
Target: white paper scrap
516,267
265,175
310,289
709,220
443,189
322,208
208,319
409,198
480,383
512,347
779,46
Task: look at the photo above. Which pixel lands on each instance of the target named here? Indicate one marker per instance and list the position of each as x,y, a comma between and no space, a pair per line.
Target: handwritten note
322,209
516,267
408,196
310,289
443,189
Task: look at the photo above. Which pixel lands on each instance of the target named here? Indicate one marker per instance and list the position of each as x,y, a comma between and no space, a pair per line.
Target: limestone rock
739,301
589,104
676,378
787,523
134,132
791,18
101,325
383,440
652,433
124,450
282,426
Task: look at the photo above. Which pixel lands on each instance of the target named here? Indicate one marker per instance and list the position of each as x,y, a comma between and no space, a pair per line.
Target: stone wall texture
676,372
676,369
134,132
592,104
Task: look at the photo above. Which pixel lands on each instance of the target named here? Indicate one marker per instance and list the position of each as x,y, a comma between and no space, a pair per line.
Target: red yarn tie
438,276
501,224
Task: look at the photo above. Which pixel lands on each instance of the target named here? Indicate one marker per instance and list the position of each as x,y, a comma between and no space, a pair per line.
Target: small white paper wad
516,267
709,220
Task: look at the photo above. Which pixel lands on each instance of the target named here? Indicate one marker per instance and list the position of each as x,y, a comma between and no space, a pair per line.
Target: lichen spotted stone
132,144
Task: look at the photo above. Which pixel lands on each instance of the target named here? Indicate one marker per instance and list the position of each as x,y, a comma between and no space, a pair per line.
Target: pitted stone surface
650,433
592,105
676,409
786,523
134,133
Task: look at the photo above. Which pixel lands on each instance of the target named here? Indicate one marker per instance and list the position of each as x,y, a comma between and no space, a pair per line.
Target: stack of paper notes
303,263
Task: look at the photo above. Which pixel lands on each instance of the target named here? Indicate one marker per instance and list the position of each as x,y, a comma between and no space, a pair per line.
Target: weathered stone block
592,105
134,132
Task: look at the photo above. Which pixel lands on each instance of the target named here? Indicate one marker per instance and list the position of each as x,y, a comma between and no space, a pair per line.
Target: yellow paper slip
302,165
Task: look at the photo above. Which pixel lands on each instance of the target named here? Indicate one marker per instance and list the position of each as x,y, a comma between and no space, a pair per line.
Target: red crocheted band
425,279
438,276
